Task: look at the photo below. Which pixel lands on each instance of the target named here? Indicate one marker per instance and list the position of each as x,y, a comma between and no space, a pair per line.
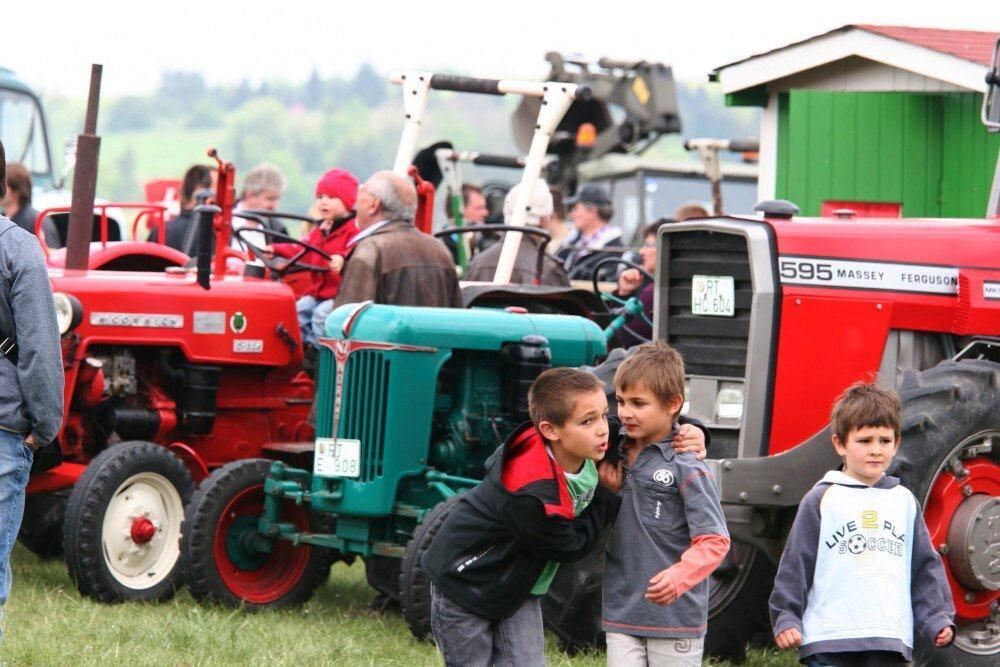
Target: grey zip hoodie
31,393
859,572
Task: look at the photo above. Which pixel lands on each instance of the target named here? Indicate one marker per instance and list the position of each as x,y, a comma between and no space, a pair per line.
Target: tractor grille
364,407
712,346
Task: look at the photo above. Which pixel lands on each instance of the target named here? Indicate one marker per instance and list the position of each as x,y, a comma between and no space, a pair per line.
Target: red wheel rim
279,572
942,501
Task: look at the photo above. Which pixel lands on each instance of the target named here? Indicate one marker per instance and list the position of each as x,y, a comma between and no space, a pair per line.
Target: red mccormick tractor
169,375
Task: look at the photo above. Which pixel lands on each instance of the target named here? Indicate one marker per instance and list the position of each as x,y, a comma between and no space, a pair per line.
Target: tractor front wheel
228,561
414,586
950,459
123,524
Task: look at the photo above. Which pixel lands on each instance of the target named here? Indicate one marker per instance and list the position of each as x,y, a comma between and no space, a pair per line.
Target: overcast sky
51,44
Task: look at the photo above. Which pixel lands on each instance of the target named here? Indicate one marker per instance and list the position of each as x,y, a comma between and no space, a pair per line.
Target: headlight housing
729,403
69,311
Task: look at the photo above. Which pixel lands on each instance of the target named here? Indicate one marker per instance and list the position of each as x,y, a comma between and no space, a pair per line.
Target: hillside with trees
310,126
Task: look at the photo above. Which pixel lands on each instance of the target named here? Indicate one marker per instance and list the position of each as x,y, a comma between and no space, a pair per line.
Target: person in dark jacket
631,283
390,261
538,504
31,374
198,177
525,271
17,205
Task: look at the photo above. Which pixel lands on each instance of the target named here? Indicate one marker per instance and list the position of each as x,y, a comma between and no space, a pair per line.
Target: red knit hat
341,184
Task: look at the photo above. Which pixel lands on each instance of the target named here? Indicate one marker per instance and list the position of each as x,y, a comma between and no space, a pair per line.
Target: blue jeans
468,640
312,318
15,464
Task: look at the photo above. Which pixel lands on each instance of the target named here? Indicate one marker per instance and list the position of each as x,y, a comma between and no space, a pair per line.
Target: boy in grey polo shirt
670,533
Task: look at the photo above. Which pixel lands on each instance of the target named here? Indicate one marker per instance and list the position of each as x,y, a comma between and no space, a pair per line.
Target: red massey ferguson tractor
775,316
170,372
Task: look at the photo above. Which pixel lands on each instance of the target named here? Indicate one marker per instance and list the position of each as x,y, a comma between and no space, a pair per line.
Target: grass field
48,623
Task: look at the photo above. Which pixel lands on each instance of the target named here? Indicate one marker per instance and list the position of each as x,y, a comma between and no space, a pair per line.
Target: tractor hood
573,340
943,242
237,321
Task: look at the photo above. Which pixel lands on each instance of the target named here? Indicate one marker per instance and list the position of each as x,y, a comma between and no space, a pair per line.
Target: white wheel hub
141,530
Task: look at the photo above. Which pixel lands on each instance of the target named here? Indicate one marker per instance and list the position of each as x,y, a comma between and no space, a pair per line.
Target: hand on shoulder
690,440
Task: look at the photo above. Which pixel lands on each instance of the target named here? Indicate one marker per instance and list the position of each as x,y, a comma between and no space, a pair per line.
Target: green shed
884,120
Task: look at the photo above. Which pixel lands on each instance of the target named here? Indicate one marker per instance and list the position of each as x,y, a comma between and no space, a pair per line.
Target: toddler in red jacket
336,193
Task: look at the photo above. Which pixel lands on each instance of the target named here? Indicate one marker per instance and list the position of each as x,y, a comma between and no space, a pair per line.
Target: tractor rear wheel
227,561
414,586
950,460
572,606
123,524
737,603
42,526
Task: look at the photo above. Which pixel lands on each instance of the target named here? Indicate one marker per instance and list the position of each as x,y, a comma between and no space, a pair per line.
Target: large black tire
220,564
414,586
572,607
738,612
737,603
122,526
42,526
947,409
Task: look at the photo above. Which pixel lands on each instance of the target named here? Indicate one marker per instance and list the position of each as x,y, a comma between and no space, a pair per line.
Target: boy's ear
548,430
838,445
675,404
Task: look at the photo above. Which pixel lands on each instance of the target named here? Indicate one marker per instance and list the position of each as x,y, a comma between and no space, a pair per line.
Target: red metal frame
154,211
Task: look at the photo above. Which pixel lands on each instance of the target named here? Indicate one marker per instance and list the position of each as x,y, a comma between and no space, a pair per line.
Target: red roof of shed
973,45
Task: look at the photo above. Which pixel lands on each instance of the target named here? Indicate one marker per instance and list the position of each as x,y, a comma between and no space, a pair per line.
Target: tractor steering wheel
531,231
285,265
594,279
627,310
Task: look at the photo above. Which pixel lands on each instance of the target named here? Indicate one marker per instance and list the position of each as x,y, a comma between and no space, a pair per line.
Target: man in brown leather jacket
391,261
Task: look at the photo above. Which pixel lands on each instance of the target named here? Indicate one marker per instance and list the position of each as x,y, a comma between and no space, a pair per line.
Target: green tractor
411,402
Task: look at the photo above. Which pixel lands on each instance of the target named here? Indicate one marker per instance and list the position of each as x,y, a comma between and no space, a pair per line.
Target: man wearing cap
336,193
525,271
591,211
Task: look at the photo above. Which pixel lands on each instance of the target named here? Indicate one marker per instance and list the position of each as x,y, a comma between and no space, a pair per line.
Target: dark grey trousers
468,640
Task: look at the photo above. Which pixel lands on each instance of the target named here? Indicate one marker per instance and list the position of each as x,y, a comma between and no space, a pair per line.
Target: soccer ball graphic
856,544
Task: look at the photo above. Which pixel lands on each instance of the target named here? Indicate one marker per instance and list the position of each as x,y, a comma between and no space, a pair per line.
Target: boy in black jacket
538,505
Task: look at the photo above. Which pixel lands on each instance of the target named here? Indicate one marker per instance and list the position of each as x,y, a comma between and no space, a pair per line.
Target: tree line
309,126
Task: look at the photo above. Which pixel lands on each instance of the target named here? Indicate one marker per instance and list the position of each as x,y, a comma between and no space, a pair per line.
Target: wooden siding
927,151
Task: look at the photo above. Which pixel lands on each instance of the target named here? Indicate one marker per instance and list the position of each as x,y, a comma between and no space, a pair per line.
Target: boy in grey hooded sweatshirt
859,572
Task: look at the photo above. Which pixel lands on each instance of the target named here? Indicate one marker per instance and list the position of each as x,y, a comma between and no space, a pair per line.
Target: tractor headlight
729,403
69,311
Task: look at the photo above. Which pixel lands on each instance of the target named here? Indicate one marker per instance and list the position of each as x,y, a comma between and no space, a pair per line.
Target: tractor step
290,447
